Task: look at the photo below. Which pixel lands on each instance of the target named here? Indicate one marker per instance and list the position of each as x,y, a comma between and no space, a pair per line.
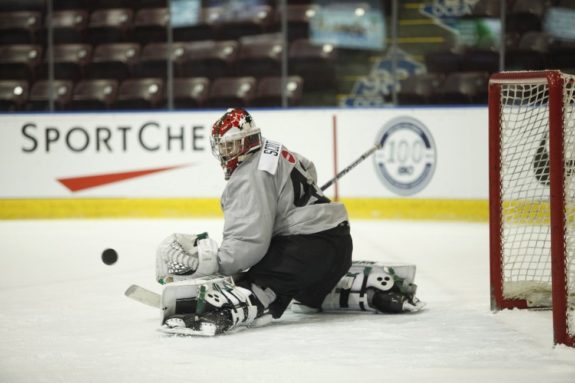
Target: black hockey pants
304,267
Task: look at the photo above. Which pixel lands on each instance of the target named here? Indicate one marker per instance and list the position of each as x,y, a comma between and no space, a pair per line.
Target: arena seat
19,27
70,61
93,95
113,61
69,26
40,95
298,20
269,91
315,63
259,58
150,25
153,60
232,92
19,61
190,93
210,59
143,93
13,94
243,22
110,25
203,29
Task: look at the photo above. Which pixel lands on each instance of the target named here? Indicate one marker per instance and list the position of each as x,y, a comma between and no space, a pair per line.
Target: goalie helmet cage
532,195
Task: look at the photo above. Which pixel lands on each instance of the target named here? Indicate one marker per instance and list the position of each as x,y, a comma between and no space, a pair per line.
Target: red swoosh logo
87,182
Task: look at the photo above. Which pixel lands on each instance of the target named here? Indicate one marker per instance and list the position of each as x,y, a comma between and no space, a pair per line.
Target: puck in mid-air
109,256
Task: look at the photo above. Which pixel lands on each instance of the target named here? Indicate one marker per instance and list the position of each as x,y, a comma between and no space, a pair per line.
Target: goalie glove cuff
207,257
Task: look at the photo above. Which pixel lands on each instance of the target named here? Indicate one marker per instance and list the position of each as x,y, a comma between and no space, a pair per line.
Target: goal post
532,195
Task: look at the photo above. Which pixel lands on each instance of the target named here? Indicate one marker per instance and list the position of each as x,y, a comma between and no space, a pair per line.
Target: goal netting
532,194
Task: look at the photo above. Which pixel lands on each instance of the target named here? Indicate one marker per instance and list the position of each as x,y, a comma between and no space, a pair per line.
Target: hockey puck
109,256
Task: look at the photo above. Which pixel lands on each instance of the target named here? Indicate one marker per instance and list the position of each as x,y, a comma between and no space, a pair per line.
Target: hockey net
532,194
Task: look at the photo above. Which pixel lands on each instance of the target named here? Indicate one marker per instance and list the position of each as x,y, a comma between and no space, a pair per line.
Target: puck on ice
109,256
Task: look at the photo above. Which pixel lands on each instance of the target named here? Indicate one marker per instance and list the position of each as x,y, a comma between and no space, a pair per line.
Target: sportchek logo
150,136
75,184
90,142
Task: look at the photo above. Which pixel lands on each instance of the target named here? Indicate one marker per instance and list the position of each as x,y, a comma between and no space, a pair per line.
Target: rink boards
432,164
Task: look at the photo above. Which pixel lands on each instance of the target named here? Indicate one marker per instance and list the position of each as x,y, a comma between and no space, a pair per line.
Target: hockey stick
143,295
351,166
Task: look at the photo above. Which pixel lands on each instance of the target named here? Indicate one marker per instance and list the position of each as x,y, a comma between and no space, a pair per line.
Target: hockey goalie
284,242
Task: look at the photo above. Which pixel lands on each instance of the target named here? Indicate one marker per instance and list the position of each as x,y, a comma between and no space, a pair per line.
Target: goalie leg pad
372,286
212,308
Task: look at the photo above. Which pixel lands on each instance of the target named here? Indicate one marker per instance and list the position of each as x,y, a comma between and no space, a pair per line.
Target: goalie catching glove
186,256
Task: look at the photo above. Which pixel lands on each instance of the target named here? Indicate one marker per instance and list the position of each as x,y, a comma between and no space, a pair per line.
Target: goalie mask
234,138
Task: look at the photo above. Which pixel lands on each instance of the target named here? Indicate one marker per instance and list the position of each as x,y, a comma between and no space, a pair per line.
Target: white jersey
274,192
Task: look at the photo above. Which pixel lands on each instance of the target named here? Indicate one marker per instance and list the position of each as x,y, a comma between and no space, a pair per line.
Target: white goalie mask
234,137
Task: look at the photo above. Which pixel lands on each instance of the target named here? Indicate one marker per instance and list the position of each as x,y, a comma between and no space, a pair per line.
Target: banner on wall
426,153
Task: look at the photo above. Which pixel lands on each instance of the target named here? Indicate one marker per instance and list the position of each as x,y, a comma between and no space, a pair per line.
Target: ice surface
64,317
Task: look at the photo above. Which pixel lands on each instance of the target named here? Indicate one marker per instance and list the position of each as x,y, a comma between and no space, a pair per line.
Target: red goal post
532,194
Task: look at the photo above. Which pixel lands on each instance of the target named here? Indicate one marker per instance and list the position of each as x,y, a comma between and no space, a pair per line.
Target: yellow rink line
359,208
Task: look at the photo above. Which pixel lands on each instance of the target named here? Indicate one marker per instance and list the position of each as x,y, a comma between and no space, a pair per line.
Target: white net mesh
524,177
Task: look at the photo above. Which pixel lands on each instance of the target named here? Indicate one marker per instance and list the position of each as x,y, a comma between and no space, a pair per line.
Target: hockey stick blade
143,295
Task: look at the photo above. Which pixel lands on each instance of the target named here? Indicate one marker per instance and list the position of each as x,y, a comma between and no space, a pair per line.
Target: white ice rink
64,317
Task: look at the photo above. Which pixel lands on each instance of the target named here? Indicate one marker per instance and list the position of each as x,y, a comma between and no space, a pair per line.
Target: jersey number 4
305,191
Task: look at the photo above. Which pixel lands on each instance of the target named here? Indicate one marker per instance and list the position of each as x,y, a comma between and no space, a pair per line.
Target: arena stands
122,54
